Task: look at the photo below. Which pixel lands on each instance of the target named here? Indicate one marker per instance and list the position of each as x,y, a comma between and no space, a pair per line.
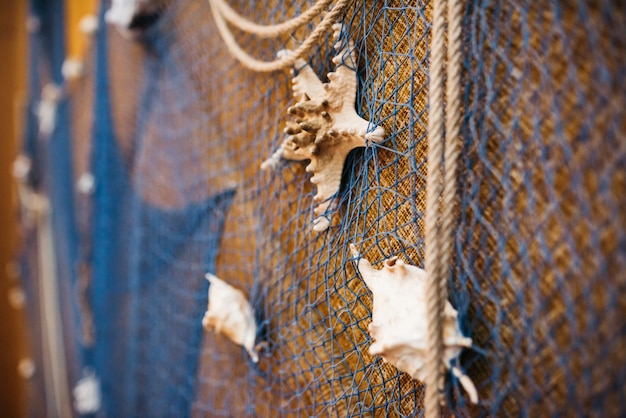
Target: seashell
325,127
230,313
131,17
399,325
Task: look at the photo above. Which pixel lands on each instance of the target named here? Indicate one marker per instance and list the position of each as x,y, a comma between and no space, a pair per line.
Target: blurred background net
173,130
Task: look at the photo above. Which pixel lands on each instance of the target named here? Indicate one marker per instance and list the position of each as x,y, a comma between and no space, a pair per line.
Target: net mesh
174,131
541,240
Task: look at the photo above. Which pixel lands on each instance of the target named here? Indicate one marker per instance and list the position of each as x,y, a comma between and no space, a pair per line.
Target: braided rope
439,236
453,130
435,298
286,60
269,31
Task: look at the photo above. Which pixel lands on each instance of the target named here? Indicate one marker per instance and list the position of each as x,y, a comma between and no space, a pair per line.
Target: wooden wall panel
12,323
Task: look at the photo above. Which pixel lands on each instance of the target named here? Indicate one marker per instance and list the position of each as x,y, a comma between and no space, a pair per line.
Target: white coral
326,127
230,313
399,325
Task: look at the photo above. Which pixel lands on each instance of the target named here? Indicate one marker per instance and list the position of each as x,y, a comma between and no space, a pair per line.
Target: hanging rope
268,31
453,130
442,158
441,186
441,194
434,290
287,60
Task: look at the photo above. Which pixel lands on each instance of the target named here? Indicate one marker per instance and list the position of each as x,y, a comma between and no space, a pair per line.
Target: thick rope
453,130
269,31
439,237
435,289
286,60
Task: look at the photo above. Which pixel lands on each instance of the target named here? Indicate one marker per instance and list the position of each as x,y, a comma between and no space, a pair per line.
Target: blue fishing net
46,192
540,245
174,130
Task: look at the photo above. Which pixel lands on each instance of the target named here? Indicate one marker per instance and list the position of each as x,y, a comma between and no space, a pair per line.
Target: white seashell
399,325
123,13
326,128
230,313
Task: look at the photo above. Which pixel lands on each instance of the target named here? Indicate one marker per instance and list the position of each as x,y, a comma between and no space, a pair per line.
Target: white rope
268,31
286,60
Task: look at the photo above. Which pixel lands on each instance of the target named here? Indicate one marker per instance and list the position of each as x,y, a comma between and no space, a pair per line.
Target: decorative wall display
399,325
325,126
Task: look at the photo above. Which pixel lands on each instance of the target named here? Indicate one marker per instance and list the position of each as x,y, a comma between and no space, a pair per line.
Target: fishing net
173,131
540,246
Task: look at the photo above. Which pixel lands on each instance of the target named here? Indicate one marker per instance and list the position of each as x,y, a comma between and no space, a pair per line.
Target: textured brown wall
12,81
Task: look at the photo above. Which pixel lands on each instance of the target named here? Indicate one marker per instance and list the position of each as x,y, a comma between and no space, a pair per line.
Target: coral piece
325,128
399,325
230,313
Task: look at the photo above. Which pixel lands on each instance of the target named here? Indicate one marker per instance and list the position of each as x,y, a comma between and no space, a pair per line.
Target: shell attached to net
132,17
325,126
399,325
230,313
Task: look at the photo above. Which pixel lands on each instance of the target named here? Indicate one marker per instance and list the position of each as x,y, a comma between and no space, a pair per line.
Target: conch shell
326,127
399,325
230,313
